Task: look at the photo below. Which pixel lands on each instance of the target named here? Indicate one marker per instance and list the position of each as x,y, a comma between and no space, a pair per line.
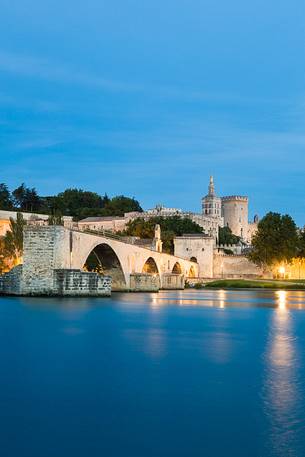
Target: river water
190,373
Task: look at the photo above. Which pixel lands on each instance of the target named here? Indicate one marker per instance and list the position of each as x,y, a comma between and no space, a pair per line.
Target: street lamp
282,272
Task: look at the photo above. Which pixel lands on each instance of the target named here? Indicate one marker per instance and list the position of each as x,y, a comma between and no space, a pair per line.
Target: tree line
74,202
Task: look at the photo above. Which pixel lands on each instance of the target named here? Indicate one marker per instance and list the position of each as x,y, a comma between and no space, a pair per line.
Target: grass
248,284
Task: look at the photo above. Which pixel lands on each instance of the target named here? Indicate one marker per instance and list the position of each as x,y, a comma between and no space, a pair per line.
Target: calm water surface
192,373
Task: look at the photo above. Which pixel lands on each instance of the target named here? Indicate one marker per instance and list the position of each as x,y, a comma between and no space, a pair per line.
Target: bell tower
211,187
211,204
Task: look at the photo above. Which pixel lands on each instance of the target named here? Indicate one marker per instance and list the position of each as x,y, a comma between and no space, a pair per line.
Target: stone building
235,214
252,228
111,223
211,204
197,248
30,218
162,211
212,261
230,211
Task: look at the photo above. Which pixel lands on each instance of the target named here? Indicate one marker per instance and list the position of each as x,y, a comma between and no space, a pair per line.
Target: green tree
119,205
106,199
225,236
275,241
13,239
73,202
26,199
6,202
19,196
170,227
32,200
301,244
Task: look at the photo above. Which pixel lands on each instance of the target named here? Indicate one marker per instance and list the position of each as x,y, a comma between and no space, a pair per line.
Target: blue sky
148,98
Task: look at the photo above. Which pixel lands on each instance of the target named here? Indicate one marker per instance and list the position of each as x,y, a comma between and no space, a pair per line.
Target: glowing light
282,299
155,303
282,270
222,295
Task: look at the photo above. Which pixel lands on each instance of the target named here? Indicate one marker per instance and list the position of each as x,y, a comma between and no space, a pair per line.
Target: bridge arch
103,259
150,266
177,269
192,273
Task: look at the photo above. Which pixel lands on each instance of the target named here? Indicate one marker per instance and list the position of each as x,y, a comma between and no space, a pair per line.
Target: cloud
59,72
56,72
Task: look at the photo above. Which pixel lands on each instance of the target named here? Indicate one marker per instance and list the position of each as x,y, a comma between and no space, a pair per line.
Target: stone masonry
78,283
43,252
46,268
10,283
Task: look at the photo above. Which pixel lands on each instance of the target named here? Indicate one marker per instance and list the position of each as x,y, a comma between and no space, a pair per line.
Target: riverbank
252,284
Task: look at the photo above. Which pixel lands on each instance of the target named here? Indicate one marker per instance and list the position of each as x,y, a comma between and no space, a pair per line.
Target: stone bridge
131,267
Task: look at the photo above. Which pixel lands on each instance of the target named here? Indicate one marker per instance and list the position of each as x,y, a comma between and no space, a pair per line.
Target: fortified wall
212,261
234,266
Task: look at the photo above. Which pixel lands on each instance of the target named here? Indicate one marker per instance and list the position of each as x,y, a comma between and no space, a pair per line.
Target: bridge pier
46,268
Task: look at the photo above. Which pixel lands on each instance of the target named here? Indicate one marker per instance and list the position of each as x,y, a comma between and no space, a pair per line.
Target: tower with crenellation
235,214
230,211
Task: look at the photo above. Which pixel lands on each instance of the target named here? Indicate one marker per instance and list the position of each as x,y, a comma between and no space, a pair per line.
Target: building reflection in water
155,344
222,297
281,389
212,299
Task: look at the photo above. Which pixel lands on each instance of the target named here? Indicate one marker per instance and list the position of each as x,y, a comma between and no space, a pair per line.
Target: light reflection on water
211,372
220,299
281,391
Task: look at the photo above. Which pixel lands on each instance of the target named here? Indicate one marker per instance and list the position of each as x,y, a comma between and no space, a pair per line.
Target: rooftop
235,197
194,235
101,219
